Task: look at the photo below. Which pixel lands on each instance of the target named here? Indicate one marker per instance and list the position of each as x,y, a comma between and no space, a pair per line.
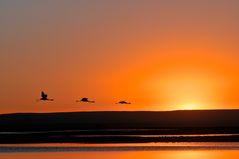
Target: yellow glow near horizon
185,90
190,106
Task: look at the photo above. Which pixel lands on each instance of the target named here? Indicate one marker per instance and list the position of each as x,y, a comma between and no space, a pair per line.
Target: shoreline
97,139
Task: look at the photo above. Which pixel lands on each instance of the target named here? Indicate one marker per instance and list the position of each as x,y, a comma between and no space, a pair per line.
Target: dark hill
120,120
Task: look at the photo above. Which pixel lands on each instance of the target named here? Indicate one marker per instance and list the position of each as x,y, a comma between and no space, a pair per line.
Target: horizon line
111,111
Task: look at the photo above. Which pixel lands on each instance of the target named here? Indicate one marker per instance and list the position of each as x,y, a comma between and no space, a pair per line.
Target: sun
189,106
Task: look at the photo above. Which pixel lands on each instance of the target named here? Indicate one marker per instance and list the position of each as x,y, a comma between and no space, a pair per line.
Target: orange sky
158,55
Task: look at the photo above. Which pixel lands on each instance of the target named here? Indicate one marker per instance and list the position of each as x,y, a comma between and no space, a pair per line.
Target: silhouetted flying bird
85,100
44,97
123,102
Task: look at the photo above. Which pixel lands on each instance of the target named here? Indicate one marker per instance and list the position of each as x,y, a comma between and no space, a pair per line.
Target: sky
156,54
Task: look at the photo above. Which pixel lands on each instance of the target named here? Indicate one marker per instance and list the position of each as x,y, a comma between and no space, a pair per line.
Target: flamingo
44,97
85,100
123,102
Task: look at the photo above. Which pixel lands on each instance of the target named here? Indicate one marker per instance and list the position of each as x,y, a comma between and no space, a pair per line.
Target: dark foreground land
120,127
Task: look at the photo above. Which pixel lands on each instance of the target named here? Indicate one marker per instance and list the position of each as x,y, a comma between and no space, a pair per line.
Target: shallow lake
121,151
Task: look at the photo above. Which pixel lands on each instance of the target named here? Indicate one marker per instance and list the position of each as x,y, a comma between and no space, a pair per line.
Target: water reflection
207,154
23,148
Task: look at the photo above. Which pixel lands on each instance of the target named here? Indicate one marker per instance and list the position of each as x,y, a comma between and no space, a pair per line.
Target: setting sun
189,107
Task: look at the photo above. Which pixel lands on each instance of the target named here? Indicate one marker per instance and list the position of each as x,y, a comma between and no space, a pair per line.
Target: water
148,136
167,150
185,150
169,154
